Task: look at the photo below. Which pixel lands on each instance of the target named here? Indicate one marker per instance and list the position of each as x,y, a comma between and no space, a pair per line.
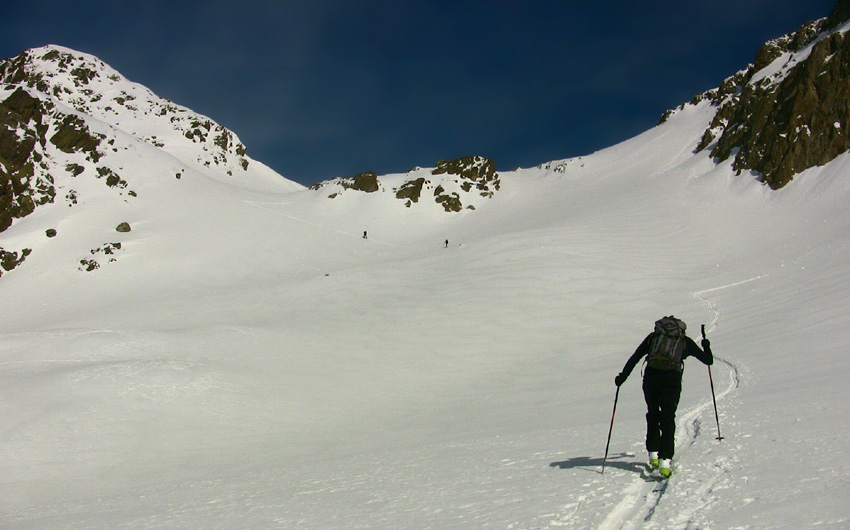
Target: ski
661,485
651,474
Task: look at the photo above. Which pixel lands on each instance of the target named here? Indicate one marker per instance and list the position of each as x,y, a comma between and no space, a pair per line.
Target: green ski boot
665,469
653,460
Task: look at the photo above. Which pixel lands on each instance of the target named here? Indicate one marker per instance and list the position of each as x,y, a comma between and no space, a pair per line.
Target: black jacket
691,348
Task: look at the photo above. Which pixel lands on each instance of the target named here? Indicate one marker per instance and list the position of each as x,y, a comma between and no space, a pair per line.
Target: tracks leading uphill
704,465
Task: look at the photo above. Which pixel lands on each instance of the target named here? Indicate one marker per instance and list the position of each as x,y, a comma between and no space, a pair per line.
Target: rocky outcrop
801,122
107,253
475,170
456,184
474,174
410,191
29,126
9,259
92,88
789,110
450,201
366,182
22,139
72,136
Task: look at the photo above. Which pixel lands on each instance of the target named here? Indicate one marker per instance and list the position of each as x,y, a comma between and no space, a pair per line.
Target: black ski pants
661,391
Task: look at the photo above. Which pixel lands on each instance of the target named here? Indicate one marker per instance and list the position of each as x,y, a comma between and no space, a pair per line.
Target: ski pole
713,398
611,428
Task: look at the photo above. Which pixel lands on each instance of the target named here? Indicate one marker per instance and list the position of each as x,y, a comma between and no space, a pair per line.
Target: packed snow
247,359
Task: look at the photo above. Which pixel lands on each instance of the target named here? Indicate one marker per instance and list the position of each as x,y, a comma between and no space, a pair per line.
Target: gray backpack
668,345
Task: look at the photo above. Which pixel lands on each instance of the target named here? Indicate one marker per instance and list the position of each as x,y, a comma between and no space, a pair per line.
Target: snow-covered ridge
74,132
91,87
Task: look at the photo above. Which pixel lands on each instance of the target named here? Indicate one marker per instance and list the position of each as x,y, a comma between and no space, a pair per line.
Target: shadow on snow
614,461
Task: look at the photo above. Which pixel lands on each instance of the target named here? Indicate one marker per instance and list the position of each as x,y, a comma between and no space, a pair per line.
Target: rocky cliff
790,109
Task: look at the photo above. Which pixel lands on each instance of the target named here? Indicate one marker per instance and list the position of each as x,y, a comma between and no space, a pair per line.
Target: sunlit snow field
251,361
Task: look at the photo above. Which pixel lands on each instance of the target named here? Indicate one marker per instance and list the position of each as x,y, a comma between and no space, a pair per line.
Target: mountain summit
58,105
73,129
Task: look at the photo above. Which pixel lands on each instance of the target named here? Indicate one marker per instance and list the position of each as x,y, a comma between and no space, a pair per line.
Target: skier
665,350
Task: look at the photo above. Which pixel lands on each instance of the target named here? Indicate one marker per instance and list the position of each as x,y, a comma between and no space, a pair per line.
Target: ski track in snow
700,295
249,361
690,490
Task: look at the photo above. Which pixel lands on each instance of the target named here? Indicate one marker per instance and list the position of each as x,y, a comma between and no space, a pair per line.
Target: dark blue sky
323,88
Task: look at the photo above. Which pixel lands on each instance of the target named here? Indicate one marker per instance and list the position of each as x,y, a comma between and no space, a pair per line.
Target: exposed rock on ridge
29,126
456,184
781,130
789,110
91,87
73,132
22,139
366,182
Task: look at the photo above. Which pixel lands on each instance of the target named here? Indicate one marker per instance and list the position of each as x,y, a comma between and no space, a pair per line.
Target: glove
620,379
706,347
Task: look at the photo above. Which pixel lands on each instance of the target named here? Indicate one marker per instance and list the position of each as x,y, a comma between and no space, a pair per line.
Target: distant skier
447,243
364,235
665,350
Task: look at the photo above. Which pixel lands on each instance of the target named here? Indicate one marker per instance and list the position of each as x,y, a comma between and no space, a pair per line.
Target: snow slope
248,360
